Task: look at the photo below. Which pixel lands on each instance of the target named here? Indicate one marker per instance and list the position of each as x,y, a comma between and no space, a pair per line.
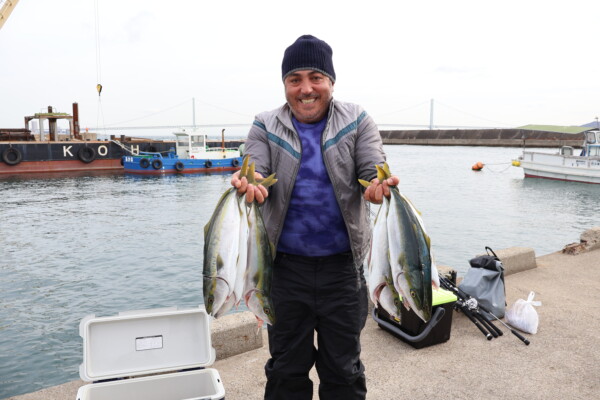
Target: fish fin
402,259
260,323
220,262
411,204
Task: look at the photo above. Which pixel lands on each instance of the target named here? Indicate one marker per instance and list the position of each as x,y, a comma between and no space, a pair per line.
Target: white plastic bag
523,316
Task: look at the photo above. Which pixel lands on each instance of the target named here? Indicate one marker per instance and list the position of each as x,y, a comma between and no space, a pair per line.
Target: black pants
323,294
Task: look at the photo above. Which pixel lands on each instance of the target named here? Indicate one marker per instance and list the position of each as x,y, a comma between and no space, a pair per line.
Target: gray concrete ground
562,361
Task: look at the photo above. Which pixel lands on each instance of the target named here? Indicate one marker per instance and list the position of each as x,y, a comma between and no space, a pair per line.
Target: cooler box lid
442,296
135,343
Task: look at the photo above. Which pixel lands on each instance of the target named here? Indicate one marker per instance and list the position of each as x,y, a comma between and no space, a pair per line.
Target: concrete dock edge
517,259
235,334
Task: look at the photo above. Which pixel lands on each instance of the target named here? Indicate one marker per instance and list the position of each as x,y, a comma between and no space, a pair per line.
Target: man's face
308,93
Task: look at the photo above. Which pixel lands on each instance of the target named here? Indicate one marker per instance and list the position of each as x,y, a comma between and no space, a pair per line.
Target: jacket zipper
335,189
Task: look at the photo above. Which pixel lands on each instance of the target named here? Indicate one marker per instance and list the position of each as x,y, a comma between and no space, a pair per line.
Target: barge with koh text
22,151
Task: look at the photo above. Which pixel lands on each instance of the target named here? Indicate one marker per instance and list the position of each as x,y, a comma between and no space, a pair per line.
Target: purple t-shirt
313,225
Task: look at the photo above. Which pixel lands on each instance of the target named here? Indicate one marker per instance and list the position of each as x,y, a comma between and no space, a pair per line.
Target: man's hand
253,192
377,190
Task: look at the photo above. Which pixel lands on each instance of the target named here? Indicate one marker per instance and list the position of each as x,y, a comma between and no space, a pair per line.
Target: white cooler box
158,354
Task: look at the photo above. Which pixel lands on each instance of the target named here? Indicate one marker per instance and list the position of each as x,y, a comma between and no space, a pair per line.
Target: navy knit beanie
308,52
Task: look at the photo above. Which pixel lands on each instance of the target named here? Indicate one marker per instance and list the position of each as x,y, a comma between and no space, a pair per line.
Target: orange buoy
477,166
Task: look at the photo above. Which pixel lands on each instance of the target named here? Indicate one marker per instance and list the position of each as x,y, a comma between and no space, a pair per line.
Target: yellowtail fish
238,287
259,272
223,241
380,281
409,248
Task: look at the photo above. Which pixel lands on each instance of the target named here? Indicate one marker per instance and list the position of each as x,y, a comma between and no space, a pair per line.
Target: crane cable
99,114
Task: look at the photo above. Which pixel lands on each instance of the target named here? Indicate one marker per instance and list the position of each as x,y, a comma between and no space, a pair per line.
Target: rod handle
487,324
517,334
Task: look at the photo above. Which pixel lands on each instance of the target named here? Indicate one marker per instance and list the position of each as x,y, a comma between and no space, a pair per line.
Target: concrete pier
562,361
481,137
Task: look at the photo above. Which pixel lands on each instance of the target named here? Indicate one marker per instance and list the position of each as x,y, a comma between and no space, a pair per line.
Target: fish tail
364,183
244,169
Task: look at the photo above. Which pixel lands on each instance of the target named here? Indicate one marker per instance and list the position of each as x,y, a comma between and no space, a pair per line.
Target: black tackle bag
485,282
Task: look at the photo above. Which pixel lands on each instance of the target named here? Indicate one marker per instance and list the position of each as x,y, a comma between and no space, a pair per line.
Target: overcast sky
500,64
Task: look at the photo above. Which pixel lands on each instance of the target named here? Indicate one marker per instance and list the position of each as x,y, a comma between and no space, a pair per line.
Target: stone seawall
482,137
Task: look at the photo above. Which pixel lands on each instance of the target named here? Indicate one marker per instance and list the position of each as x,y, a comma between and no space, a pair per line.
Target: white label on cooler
149,343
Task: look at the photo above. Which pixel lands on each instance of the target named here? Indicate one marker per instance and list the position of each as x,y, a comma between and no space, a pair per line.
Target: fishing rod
470,309
471,304
514,332
473,315
465,309
488,324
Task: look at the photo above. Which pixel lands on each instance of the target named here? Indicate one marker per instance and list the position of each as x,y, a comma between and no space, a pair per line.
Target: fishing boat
190,155
565,165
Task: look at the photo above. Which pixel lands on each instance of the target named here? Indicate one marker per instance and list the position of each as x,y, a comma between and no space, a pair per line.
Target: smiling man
317,219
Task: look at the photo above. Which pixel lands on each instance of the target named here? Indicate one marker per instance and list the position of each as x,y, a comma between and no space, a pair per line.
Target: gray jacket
351,146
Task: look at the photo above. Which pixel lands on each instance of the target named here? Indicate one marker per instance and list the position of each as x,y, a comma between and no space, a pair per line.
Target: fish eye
413,294
267,310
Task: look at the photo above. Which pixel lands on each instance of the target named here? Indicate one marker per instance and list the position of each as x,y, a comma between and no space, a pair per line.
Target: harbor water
72,246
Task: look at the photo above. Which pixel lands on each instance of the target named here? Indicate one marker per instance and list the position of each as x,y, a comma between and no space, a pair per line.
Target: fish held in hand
409,249
259,272
225,253
380,282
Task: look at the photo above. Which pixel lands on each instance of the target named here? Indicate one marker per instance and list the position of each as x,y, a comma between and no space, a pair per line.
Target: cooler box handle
437,317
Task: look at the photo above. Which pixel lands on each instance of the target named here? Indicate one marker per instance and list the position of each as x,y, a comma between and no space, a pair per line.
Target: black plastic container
413,330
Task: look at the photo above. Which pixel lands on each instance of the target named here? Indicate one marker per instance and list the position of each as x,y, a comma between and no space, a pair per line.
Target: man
317,219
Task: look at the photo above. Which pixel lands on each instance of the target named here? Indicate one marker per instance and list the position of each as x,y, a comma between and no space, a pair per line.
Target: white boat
565,165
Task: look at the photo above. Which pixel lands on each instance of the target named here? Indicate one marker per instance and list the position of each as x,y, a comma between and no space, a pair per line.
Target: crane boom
7,7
